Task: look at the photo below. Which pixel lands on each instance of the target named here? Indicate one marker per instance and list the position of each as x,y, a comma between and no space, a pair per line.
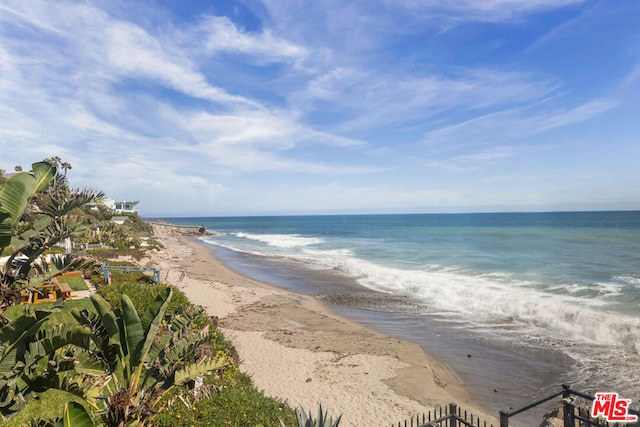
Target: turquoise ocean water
566,281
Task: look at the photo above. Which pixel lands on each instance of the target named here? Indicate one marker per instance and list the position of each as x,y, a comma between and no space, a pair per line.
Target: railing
572,415
451,416
571,412
89,246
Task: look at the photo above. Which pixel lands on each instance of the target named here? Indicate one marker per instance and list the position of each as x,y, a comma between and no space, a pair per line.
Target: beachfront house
121,206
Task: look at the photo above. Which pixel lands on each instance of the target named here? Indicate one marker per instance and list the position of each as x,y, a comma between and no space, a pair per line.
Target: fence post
504,419
453,413
568,410
569,415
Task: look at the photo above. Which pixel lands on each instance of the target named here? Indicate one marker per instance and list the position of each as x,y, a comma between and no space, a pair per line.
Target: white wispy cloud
257,141
633,76
483,10
222,35
512,125
343,196
480,158
133,52
371,100
143,102
26,17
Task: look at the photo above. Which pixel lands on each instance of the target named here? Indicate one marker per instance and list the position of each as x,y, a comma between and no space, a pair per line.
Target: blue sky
250,107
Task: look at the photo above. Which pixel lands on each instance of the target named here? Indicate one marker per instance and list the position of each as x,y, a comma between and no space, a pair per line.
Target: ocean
515,303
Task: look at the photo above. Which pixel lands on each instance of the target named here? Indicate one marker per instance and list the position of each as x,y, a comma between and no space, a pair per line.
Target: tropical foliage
15,195
141,358
37,211
118,364
25,344
143,296
234,401
323,419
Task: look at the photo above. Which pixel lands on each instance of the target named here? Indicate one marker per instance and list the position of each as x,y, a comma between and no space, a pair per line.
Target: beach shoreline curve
296,348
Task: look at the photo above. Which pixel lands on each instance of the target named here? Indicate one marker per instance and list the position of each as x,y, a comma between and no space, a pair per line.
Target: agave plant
141,364
306,420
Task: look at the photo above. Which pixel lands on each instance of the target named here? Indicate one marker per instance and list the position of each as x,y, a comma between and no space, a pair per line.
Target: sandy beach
297,349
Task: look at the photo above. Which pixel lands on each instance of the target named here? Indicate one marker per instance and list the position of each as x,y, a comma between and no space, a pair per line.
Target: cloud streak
512,125
222,35
132,52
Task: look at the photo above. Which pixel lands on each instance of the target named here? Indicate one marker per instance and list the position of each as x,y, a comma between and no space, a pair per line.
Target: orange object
46,293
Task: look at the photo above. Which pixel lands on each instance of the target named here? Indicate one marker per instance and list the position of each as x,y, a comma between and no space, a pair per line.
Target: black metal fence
574,411
450,416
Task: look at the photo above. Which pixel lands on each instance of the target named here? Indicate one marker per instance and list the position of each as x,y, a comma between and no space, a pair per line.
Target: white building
121,206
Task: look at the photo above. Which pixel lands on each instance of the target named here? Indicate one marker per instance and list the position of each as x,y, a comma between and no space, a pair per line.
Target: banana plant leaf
16,193
195,369
75,415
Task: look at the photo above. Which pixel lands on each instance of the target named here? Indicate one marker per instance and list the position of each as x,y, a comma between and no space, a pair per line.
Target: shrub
235,402
142,296
106,254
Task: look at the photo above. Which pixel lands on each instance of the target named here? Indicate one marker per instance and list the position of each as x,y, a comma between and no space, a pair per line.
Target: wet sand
496,373
298,349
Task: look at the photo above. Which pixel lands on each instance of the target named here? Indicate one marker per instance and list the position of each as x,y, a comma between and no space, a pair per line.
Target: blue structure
129,269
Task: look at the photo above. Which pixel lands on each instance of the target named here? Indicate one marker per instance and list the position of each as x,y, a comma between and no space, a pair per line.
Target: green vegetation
230,399
234,401
108,253
32,352
129,235
75,283
46,407
141,358
59,313
134,353
37,211
142,295
323,420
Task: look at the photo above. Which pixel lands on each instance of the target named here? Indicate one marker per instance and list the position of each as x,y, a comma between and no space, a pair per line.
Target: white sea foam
281,240
609,290
489,298
234,248
495,297
568,288
572,288
628,279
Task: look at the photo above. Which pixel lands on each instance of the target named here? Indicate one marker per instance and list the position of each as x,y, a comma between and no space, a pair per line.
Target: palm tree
60,180
65,167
